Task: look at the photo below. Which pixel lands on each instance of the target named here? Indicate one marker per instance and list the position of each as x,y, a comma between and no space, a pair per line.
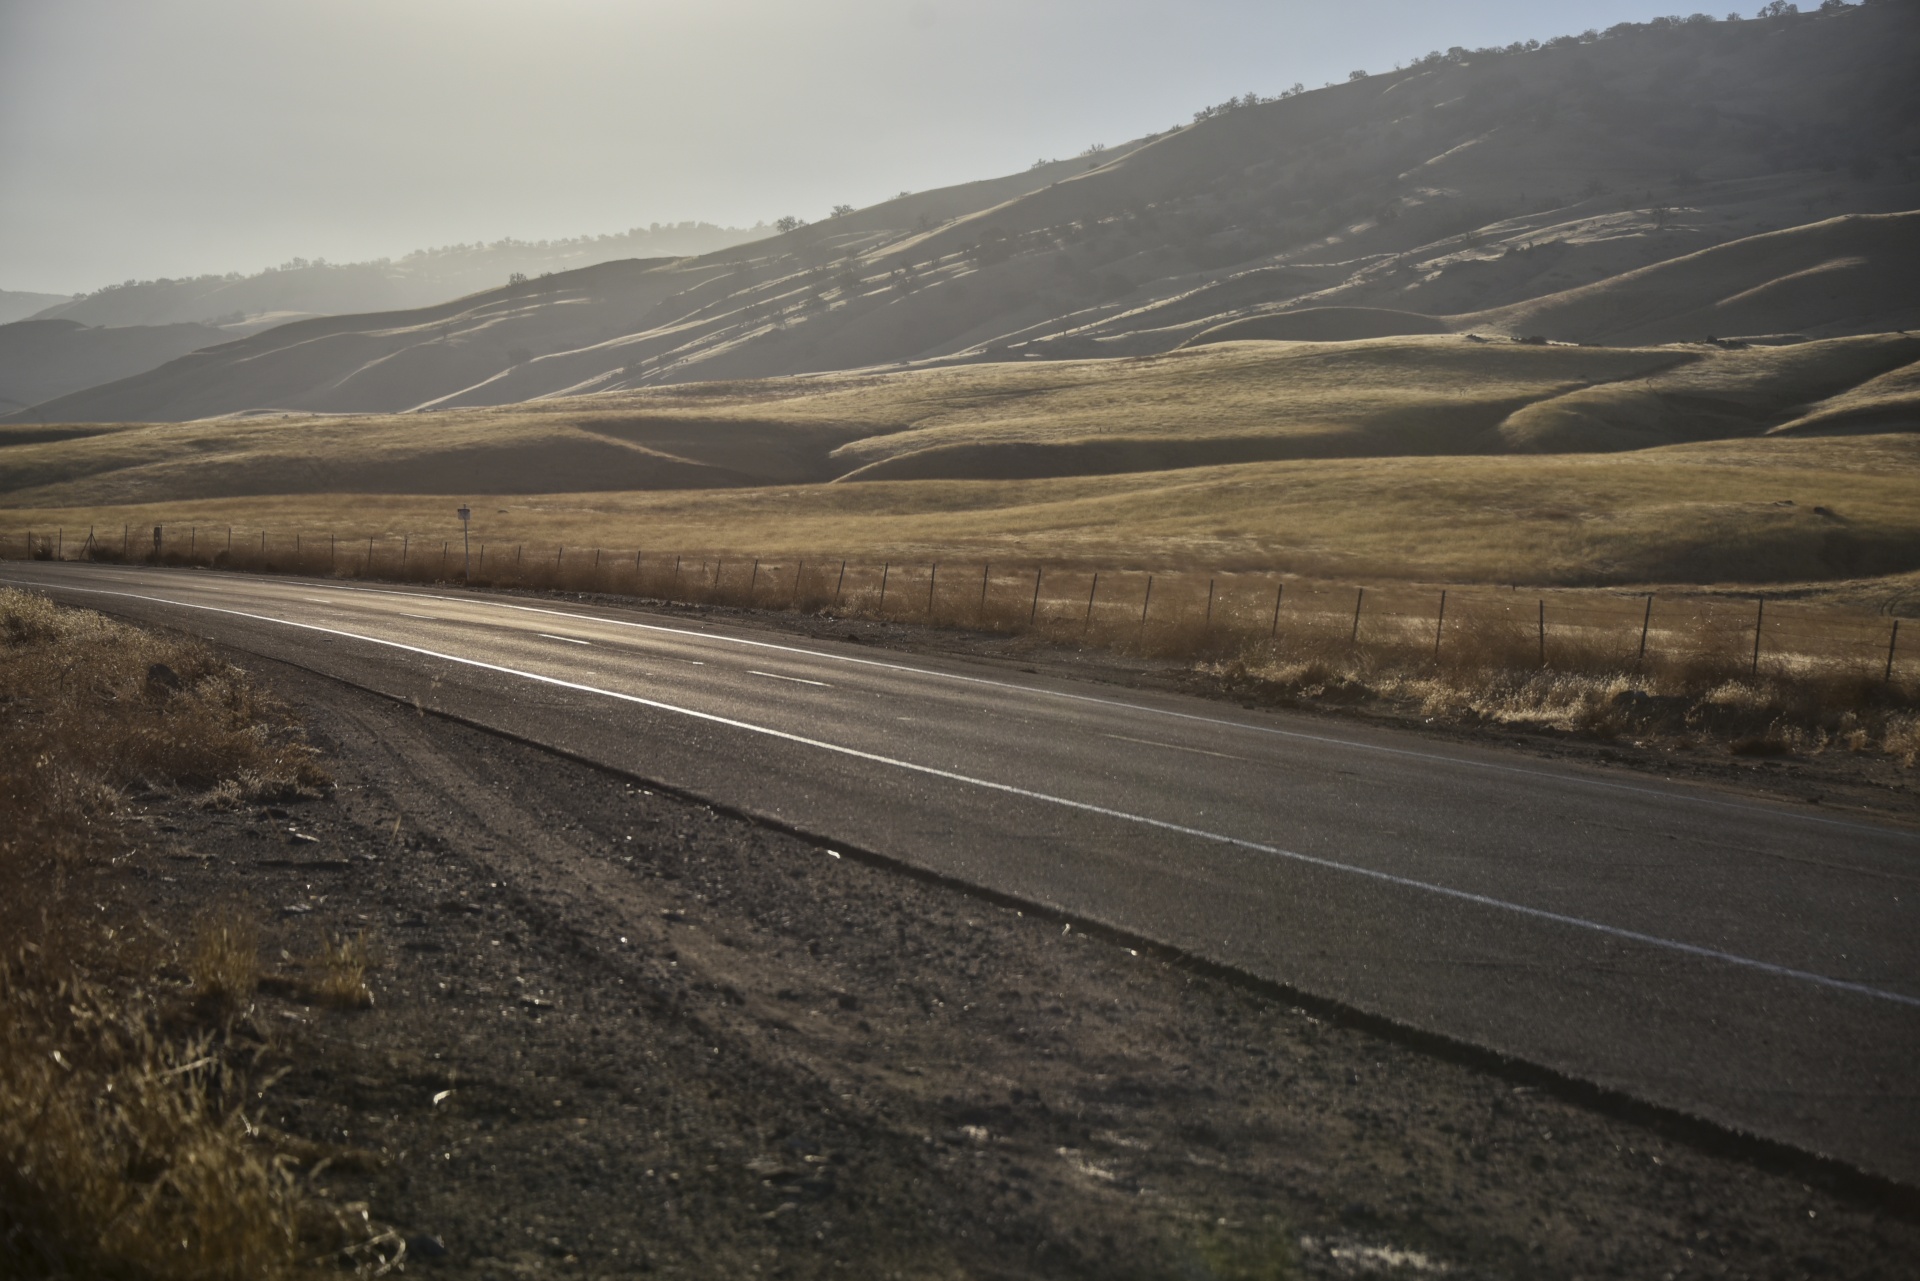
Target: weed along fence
1182,613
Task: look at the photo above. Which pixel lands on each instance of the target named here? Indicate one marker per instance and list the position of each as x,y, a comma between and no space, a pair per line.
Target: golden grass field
1724,511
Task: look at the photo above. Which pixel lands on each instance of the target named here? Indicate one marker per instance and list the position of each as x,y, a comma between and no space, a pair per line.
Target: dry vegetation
1721,511
128,1060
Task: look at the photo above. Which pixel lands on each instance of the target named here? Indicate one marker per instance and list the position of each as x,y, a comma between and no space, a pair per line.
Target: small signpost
466,543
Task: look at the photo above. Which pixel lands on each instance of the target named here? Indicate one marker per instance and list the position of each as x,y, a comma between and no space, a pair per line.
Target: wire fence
1171,613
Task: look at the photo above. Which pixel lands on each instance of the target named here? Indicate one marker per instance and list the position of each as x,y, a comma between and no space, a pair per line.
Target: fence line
1160,612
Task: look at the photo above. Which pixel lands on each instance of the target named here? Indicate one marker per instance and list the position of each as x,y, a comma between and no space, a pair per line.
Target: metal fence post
1278,592
1359,596
886,571
985,568
1034,613
1209,602
1146,601
1759,618
933,576
1090,591
841,582
1439,624
1892,641
1543,633
1646,621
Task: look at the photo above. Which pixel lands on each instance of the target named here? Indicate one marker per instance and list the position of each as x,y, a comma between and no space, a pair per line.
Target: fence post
60,544
719,563
841,582
886,571
799,569
229,539
330,553
1543,632
984,569
1146,601
263,542
443,559
1090,591
596,558
126,534
1892,641
933,576
193,540
1034,613
1759,618
559,555
1209,602
1439,624
1646,621
404,540
369,557
1359,595
753,580
1278,592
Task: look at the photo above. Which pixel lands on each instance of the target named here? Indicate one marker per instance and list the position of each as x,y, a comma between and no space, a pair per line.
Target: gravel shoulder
617,1032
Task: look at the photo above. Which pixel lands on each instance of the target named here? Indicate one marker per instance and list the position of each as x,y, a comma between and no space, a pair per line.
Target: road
1751,963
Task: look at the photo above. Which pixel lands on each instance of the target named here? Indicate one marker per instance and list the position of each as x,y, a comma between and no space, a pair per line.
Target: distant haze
144,138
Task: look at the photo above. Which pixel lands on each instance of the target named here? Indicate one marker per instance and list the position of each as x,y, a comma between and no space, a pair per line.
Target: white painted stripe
1332,865
1177,747
1582,780
798,680
568,639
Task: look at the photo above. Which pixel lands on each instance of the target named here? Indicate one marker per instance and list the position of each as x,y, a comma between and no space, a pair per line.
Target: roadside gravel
617,1032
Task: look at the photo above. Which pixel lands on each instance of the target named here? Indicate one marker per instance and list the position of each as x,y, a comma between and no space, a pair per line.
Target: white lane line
1298,735
1175,747
798,680
1008,789
568,639
423,617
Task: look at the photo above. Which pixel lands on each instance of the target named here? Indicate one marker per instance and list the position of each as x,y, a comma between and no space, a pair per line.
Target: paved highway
1756,964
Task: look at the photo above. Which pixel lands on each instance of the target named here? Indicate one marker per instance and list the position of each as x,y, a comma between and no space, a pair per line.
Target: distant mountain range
1659,183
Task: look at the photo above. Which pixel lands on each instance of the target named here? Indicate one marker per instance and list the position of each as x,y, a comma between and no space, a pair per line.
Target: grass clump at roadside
126,1145
1491,675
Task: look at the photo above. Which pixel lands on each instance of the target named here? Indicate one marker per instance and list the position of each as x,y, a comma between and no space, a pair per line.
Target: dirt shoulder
617,1032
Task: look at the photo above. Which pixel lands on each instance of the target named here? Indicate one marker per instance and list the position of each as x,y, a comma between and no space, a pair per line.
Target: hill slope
1489,190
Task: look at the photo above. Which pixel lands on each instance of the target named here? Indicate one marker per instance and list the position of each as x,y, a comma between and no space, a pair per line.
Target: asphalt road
1755,964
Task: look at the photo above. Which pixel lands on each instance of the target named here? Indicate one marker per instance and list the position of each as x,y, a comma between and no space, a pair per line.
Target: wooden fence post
1439,624
1892,641
1359,596
482,566
1759,619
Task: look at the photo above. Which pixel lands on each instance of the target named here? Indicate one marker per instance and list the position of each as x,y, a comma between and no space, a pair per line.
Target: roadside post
466,543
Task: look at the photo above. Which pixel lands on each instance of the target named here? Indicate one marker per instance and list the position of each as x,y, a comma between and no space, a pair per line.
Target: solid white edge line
1301,735
798,680
1389,878
568,639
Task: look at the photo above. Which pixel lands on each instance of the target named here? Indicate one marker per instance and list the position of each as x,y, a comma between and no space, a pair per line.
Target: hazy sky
143,138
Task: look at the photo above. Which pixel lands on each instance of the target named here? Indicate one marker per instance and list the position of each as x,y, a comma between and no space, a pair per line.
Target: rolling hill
1658,183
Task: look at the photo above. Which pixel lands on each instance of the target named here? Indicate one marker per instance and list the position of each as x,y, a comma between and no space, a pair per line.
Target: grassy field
1233,402
1779,510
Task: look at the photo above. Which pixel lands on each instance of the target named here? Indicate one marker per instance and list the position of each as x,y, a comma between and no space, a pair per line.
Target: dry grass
223,962
1745,511
126,1147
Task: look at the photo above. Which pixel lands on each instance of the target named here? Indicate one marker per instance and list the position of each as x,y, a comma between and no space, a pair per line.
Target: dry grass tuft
223,962
344,963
